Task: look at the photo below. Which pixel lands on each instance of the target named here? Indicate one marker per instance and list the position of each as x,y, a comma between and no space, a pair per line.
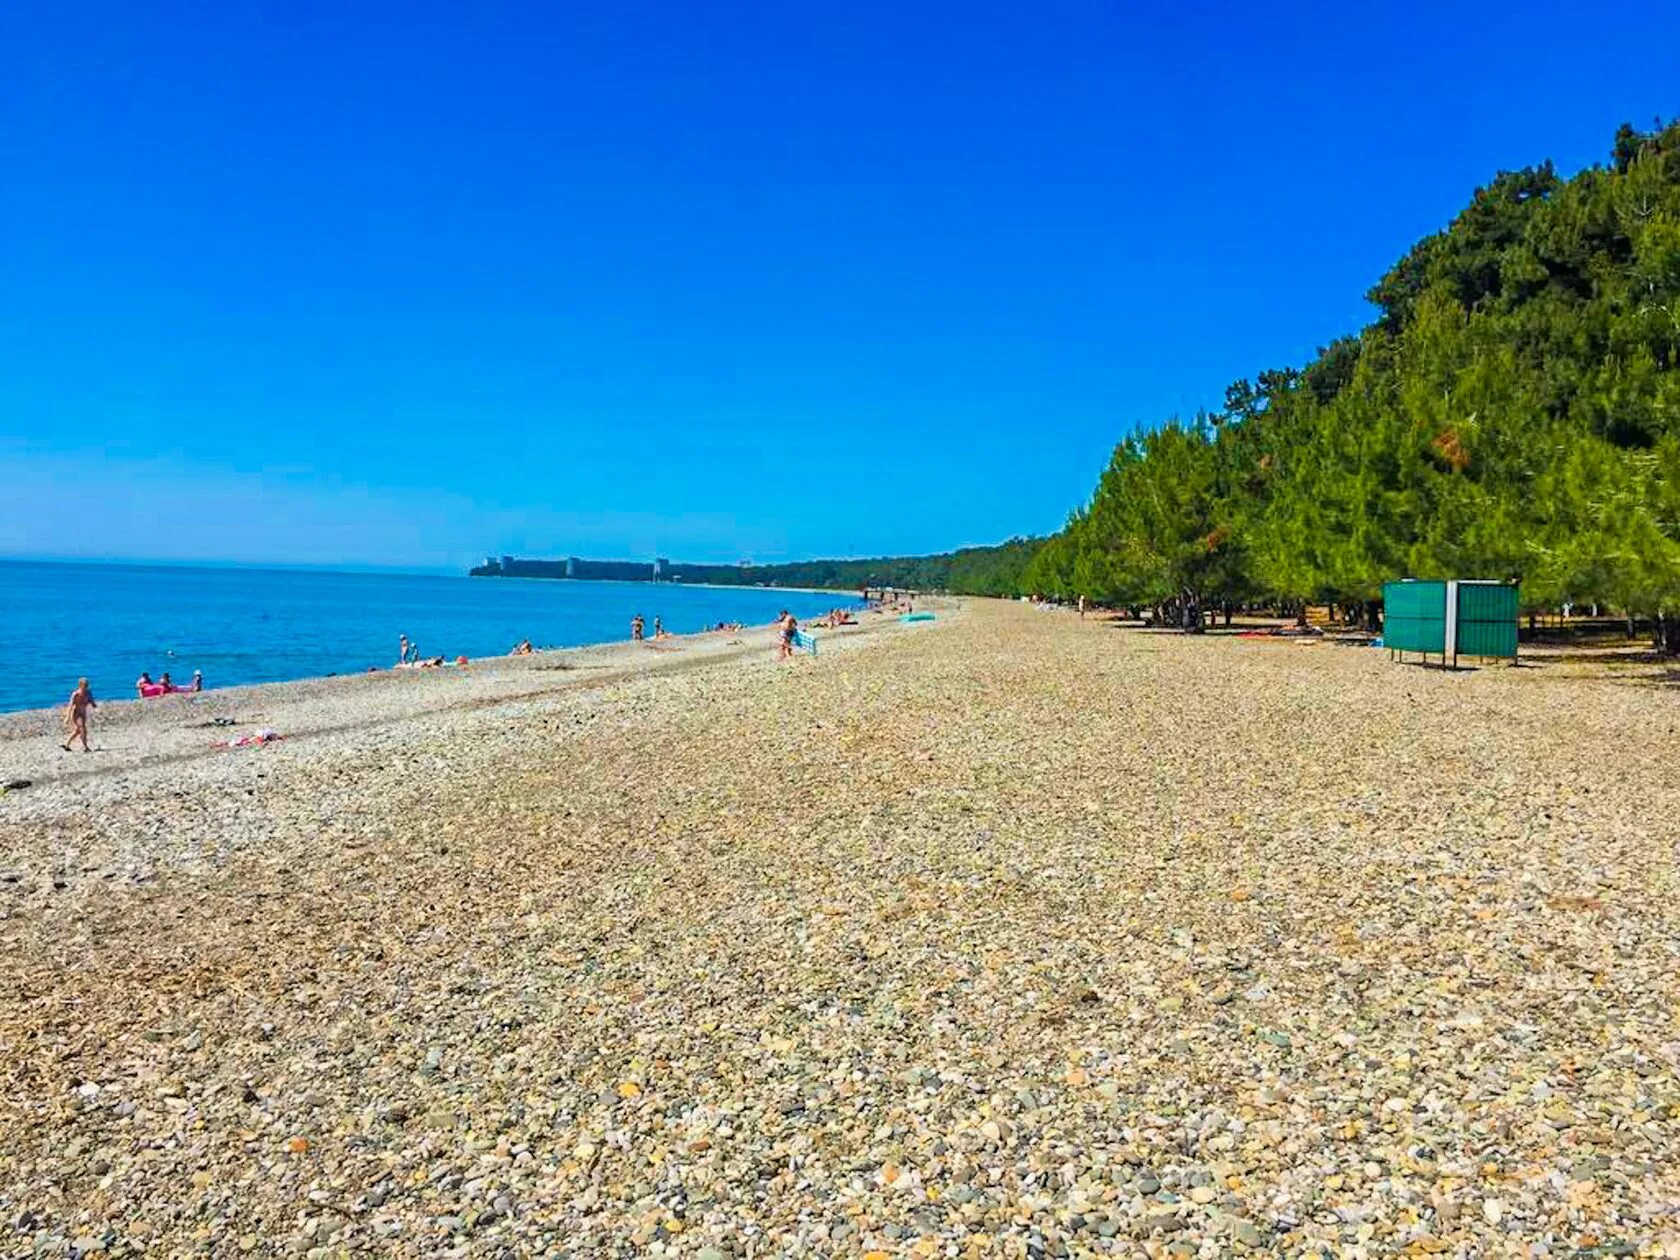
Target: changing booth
1463,617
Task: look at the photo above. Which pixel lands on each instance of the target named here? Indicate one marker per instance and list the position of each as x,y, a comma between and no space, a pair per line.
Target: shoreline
130,732
249,627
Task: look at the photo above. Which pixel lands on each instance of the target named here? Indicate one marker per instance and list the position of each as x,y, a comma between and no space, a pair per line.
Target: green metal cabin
1451,619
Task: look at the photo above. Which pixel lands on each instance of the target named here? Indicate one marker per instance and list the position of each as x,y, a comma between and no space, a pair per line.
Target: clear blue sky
407,284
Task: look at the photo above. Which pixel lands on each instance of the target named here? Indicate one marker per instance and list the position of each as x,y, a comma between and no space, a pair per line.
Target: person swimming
76,715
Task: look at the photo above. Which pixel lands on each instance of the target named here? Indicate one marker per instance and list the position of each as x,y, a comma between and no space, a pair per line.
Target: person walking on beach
636,624
658,628
784,643
76,715
198,680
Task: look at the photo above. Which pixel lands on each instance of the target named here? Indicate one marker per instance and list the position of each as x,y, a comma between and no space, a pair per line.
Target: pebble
681,963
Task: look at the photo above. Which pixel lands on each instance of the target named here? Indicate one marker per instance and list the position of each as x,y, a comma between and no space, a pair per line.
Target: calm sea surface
110,621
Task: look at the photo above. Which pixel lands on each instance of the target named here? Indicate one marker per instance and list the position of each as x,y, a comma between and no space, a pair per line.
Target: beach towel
253,740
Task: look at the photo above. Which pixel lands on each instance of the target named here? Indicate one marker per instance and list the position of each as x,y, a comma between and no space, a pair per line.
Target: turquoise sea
59,622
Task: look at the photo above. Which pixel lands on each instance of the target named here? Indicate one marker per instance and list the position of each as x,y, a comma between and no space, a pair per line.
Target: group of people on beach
82,703
887,599
787,629
146,689
408,656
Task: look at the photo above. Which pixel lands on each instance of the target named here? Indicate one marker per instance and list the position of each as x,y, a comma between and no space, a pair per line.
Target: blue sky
405,285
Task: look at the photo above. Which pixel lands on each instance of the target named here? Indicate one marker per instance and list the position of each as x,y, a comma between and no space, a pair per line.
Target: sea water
60,622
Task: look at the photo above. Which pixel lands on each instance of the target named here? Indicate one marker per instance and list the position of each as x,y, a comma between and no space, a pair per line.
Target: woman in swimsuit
76,716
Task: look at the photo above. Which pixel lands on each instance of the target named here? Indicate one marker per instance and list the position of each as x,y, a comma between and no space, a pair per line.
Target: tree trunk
1666,634
1191,608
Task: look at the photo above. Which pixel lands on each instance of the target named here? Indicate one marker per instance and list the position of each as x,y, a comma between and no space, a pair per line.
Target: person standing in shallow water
76,715
636,625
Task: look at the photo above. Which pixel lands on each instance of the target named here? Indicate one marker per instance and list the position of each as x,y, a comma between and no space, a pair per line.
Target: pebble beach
1005,934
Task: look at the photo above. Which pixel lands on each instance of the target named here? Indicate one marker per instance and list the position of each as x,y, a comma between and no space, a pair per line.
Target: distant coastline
970,571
